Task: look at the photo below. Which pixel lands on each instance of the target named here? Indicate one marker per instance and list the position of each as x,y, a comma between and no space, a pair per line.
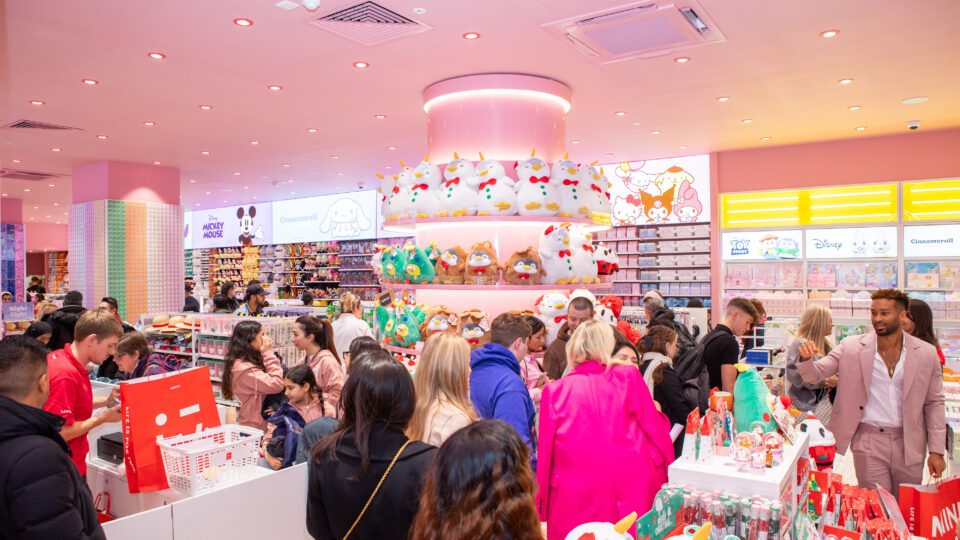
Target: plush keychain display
751,406
459,195
450,268
482,267
523,268
536,196
475,328
556,253
497,194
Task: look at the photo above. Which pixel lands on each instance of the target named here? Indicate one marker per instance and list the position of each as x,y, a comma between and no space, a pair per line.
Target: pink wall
46,237
11,211
890,158
122,181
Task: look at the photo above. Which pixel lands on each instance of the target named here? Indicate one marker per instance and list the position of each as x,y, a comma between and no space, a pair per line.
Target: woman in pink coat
604,448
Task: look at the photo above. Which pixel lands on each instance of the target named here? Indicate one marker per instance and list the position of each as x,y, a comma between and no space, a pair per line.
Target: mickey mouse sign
247,231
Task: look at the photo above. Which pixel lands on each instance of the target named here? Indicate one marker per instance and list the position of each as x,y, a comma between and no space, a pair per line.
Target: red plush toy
615,305
823,446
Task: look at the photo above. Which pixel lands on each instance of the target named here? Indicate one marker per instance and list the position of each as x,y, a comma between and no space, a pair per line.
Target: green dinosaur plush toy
751,403
407,332
388,269
419,269
386,324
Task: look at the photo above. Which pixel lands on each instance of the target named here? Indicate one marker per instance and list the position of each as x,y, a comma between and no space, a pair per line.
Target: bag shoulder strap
377,489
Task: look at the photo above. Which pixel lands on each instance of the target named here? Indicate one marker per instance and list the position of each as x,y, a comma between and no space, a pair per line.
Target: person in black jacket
658,348
660,315
64,320
369,446
43,495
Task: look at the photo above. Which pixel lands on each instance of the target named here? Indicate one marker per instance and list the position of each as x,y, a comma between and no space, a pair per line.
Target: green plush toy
419,269
407,332
386,324
401,258
388,270
751,403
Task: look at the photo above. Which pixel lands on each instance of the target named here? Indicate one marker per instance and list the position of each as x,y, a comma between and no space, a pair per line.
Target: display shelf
210,356
684,267
497,287
357,254
658,253
362,286
665,281
356,270
414,225
651,239
171,351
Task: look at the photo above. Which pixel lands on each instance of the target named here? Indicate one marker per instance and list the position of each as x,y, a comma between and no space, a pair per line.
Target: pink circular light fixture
157,55
853,108
829,34
55,149
379,116
38,102
102,137
206,107
845,82
243,23
90,82
361,65
275,87
471,36
681,59
723,99
149,123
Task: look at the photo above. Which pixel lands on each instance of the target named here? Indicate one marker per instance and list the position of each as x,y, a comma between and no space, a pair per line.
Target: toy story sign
660,191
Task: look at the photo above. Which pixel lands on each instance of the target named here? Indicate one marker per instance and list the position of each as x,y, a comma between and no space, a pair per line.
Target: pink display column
126,237
504,116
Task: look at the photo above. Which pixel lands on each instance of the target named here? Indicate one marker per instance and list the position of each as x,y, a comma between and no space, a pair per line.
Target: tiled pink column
126,236
12,249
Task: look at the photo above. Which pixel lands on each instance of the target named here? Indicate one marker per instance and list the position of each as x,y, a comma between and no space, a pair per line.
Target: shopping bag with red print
163,405
932,510
102,505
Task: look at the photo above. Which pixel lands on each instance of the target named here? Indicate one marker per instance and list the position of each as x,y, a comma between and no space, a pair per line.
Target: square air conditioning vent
369,23
638,30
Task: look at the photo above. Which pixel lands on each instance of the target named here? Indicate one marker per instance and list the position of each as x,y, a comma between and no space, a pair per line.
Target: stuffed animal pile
460,188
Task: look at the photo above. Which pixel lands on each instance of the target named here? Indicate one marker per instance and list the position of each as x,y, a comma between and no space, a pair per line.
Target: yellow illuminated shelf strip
937,200
874,203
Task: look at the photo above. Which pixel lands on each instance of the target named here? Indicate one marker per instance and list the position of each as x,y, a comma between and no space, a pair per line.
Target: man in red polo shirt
71,396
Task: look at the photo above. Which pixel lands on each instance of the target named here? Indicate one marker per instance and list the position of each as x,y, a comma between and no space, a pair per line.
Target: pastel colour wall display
660,191
345,216
856,243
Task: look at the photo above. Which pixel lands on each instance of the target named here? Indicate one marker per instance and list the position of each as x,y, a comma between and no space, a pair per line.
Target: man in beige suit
889,404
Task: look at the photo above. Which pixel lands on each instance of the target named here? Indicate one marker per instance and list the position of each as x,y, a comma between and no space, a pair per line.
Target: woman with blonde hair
601,408
349,326
441,384
816,326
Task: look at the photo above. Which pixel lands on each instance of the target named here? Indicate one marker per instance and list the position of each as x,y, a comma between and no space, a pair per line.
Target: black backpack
691,368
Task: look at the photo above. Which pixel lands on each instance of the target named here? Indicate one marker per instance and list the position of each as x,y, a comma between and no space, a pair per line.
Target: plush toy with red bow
425,191
451,265
497,194
615,305
458,197
572,192
523,268
482,267
536,194
823,445
556,252
552,310
608,262
584,257
394,197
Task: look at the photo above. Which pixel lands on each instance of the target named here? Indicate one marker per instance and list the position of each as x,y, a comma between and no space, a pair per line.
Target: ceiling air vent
638,30
30,176
41,127
369,23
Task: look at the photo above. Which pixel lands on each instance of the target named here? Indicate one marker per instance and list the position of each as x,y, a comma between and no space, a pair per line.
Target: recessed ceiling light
620,113
26,190
747,121
235,173
198,204
48,216
575,141
208,193
681,59
765,138
861,128
37,102
334,157
149,123
246,187
4,194
55,149
379,116
655,132
157,55
286,165
51,185
206,107
915,100
254,142
275,87
224,201
254,197
56,204
723,99
361,65
102,137
682,147
391,148
243,22
609,154
16,161
193,181
388,167
312,130
845,81
36,207
32,219
205,152
829,33
853,108
419,10
157,163
471,35
339,174
293,192
90,82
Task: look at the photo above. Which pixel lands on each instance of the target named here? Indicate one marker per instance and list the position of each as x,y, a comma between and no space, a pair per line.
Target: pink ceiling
774,66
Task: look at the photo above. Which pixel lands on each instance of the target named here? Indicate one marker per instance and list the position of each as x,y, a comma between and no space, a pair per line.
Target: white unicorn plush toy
598,188
458,197
394,198
497,194
536,195
556,255
425,191
584,259
573,193
404,191
552,310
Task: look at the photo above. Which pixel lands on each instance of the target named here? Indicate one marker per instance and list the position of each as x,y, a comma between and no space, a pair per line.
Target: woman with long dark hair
315,337
366,477
229,291
658,349
251,372
480,486
918,322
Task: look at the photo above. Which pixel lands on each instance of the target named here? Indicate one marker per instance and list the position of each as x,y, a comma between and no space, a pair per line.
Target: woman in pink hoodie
251,372
604,448
315,337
